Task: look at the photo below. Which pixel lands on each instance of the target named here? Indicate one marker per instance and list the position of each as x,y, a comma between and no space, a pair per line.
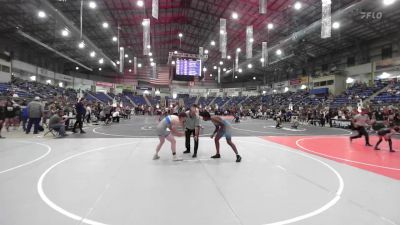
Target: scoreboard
188,67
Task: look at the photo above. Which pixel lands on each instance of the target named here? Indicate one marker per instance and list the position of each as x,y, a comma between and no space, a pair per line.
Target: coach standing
192,126
35,110
80,116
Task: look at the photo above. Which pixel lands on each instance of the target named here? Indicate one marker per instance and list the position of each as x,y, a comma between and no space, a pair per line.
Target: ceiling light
77,68
101,61
139,65
81,44
130,61
42,14
349,80
140,3
148,46
65,32
235,16
336,25
224,69
385,75
279,52
210,74
33,78
180,35
228,57
99,69
173,62
249,66
105,25
270,26
152,64
221,63
262,60
388,2
126,55
175,52
238,50
48,81
235,77
204,69
92,5
251,40
215,67
150,54
117,62
151,59
254,78
222,32
92,54
297,5
212,43
240,70
206,51
115,39
130,70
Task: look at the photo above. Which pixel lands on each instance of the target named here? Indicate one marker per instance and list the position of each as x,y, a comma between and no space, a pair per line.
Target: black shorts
10,115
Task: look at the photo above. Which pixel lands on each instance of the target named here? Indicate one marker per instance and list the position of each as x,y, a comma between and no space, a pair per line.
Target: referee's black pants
188,133
362,131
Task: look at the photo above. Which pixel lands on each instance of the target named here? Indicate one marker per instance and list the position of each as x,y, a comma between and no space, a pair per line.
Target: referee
192,126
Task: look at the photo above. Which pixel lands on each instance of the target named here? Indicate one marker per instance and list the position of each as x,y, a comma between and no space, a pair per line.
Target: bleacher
154,100
205,101
220,101
102,97
358,92
138,100
189,101
236,100
391,95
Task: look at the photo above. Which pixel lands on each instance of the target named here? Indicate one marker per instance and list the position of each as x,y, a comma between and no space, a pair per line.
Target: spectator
24,114
80,113
57,123
2,116
36,110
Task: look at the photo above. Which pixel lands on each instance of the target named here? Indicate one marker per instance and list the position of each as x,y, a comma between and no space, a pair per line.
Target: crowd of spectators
74,105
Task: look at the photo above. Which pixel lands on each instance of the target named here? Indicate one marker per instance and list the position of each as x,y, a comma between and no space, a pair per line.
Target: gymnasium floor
307,176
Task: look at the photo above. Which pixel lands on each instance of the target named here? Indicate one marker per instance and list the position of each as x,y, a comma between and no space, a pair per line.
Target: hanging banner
135,65
121,59
154,11
237,61
249,42
264,54
201,53
146,36
219,75
326,23
222,37
263,7
154,71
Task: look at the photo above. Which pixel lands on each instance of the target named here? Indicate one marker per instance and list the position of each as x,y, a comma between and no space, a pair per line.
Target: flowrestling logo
371,15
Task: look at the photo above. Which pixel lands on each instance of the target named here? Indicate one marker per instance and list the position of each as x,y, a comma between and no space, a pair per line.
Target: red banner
295,81
104,84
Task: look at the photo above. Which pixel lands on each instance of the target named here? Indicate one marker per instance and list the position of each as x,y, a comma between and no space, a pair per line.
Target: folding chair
52,131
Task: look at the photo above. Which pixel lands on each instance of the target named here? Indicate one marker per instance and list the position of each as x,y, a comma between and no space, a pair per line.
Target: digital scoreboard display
188,67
